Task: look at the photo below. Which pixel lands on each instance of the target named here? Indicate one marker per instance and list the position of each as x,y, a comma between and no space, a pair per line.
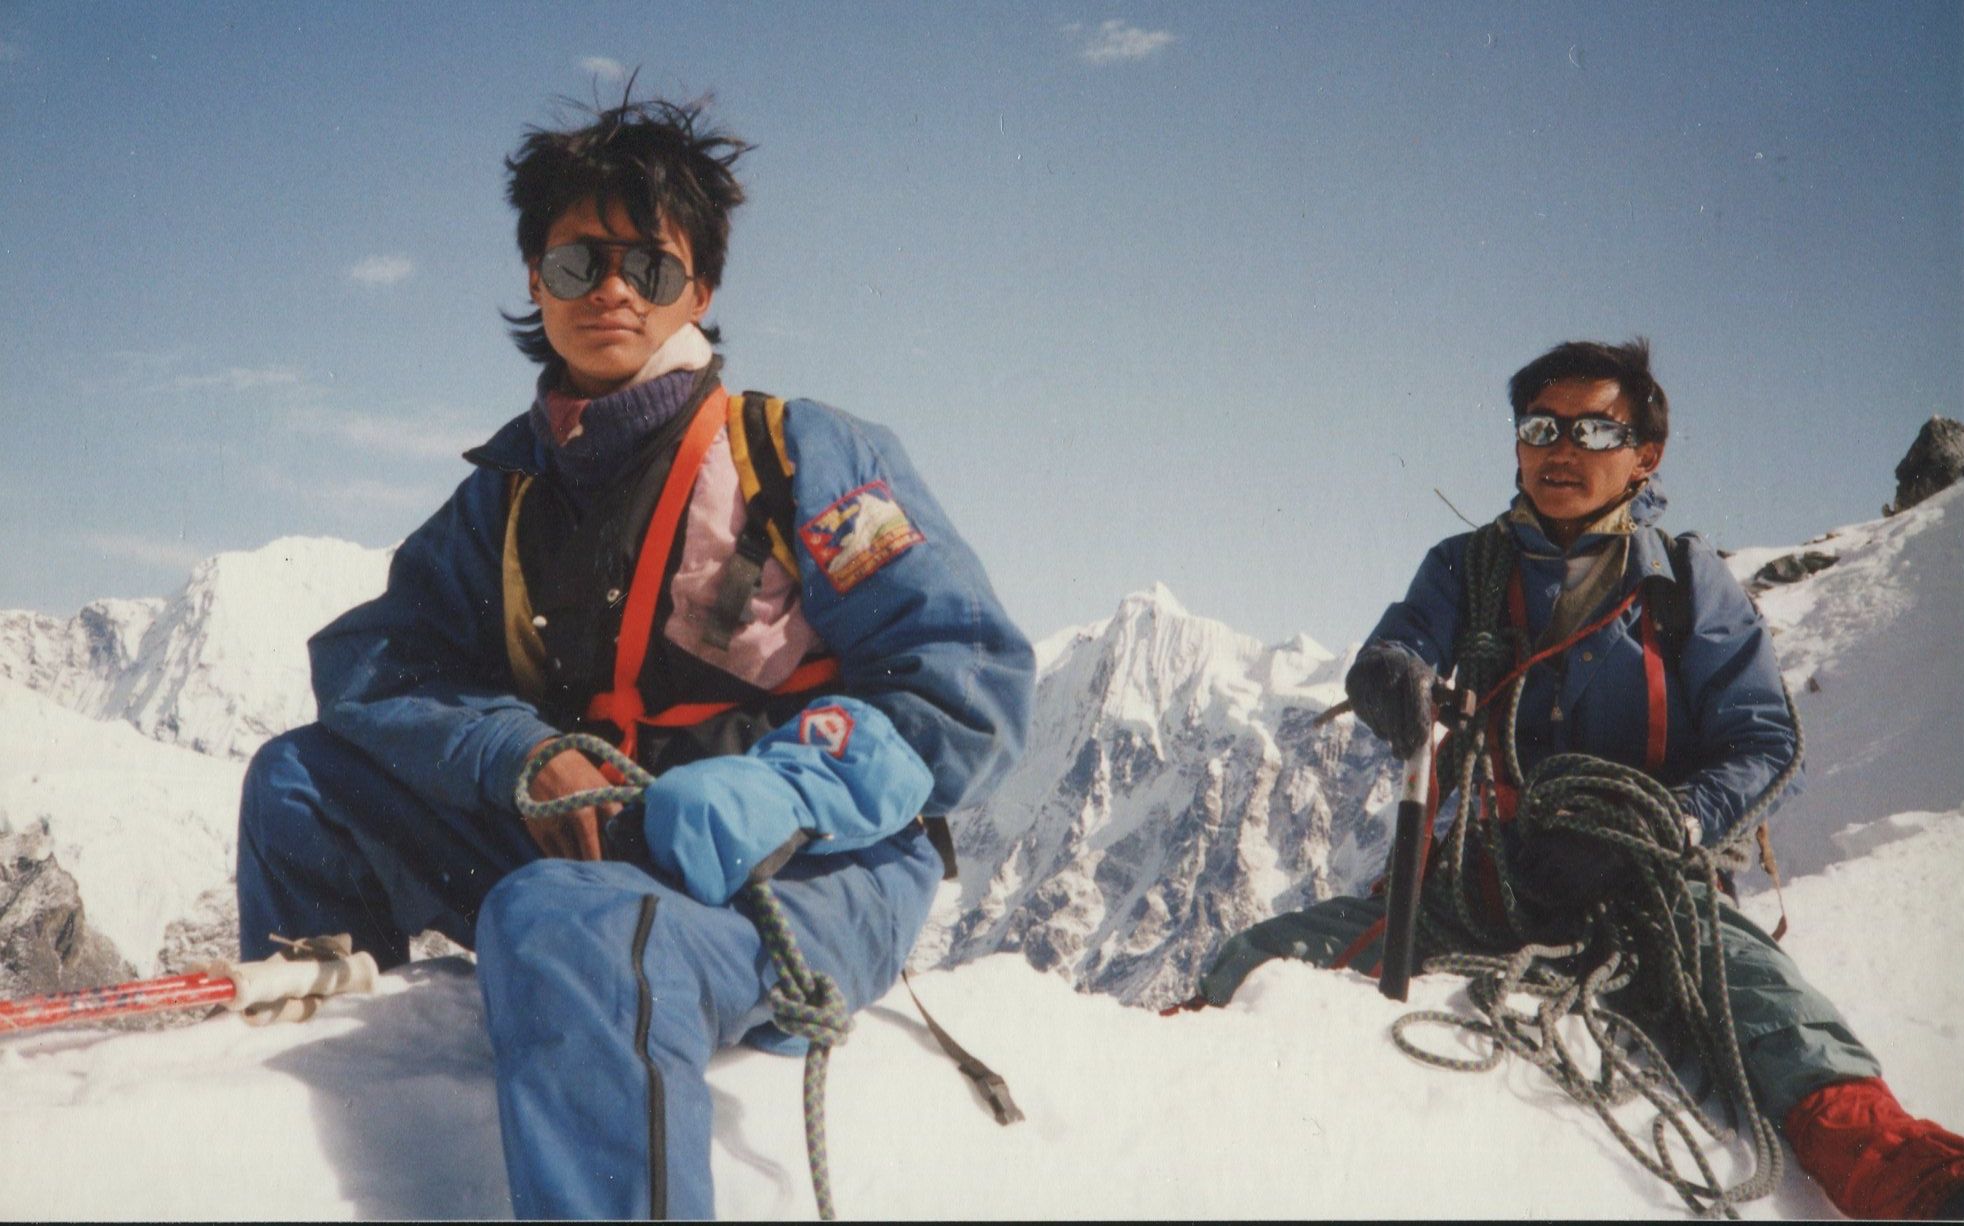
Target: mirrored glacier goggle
571,270
1591,433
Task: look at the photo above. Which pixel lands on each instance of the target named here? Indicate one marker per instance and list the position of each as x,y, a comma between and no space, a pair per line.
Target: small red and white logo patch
829,728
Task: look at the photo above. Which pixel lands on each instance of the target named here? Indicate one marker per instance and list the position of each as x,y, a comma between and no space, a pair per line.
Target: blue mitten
838,778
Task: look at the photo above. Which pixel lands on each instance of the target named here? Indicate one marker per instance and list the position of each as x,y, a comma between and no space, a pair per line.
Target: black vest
578,563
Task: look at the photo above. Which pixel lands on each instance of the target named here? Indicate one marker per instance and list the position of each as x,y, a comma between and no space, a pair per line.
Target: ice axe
1405,879
286,987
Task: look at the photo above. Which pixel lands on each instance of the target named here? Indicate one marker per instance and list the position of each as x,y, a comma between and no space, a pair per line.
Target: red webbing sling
1659,723
623,706
807,676
1504,796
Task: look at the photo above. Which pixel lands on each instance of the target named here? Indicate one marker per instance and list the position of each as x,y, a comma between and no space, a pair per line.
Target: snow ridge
1870,650
221,666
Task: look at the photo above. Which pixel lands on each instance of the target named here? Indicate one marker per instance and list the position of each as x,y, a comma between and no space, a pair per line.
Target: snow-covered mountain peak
219,667
1175,782
1156,597
1155,665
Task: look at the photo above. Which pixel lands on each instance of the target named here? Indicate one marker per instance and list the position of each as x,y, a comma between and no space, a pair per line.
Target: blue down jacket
1730,731
419,678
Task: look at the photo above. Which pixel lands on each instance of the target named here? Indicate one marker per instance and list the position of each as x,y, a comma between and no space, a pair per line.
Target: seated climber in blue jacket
758,601
1573,593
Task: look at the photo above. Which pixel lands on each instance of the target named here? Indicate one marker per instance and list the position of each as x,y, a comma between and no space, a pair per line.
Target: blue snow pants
606,987
330,842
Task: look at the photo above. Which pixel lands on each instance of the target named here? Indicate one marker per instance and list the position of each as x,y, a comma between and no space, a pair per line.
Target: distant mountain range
1175,789
218,668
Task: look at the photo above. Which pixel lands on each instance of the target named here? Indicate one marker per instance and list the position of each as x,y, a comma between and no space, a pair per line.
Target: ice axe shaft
1405,879
238,987
1406,876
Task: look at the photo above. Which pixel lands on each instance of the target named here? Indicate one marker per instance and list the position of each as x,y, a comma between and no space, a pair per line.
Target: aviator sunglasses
571,270
1591,433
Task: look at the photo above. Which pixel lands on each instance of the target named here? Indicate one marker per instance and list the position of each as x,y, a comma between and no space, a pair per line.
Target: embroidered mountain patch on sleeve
859,534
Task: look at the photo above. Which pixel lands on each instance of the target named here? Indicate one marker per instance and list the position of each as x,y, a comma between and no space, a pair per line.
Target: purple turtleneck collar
588,440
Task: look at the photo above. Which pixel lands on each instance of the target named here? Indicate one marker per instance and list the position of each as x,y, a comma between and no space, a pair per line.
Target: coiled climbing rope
804,1002
1656,937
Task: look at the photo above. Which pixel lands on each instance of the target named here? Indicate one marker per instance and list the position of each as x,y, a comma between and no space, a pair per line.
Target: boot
1874,1159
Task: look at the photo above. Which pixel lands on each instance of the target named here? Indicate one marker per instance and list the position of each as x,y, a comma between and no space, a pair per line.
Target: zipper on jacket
657,1107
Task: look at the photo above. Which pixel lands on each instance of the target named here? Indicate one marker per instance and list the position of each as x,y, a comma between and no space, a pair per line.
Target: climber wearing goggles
610,291
1585,448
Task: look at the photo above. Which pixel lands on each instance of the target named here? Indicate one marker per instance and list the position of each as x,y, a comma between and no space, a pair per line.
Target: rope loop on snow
804,1002
1654,937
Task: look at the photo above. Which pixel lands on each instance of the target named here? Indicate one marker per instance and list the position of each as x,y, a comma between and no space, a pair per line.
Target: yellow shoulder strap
741,451
523,647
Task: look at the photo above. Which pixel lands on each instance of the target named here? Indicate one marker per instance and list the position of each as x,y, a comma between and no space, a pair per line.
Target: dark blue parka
936,675
1730,732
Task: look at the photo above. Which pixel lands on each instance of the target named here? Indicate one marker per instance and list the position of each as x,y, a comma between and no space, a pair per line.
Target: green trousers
1793,1039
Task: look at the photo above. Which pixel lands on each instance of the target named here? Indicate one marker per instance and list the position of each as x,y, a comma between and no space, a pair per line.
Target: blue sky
1214,295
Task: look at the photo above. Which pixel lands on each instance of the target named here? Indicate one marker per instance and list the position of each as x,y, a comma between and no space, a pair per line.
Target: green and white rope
1633,939
804,1002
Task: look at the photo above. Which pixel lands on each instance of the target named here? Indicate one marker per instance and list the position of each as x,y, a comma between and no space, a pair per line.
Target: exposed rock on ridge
46,943
1934,462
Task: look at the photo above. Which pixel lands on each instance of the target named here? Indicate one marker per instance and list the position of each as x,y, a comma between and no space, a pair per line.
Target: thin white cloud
604,68
388,495
346,495
382,270
441,436
239,379
148,362
10,52
165,553
1115,41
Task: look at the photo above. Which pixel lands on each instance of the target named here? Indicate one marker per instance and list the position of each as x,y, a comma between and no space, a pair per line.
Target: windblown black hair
1628,364
657,159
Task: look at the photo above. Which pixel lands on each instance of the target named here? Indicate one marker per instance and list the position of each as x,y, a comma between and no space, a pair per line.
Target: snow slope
1873,650
1289,1103
146,829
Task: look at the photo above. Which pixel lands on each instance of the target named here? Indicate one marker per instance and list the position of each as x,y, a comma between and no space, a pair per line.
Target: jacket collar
1625,519
1629,524
523,444
515,448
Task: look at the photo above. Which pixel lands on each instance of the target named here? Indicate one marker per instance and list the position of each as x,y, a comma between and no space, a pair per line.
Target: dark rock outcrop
1934,462
1790,568
46,944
